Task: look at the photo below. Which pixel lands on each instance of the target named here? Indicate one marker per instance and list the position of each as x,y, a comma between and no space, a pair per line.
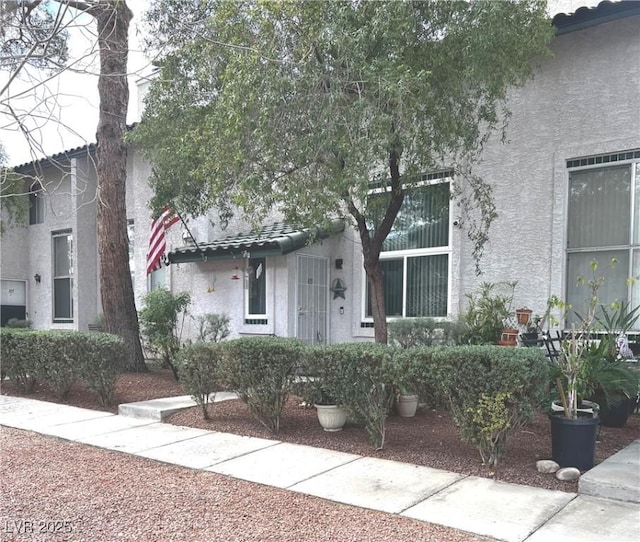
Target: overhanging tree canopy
299,106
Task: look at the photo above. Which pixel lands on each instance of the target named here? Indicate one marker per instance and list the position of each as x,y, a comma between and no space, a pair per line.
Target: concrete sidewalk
508,512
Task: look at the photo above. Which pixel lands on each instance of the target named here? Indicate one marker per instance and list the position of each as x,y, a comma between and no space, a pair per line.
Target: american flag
157,243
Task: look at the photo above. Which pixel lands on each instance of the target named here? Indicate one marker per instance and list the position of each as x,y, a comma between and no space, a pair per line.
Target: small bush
103,360
414,332
260,371
19,357
159,323
359,376
213,327
487,311
17,323
59,354
198,372
492,391
59,358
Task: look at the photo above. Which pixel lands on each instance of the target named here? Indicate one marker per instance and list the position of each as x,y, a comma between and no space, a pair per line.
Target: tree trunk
371,247
116,288
374,273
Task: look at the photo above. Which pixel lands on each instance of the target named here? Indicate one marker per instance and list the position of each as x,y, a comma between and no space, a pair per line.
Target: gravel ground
81,493
429,439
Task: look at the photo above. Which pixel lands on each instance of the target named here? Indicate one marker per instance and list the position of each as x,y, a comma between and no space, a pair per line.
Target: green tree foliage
13,198
299,106
33,33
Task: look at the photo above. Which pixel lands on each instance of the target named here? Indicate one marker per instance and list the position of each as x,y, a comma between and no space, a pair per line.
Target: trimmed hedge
59,358
19,357
358,376
415,332
198,371
492,391
260,370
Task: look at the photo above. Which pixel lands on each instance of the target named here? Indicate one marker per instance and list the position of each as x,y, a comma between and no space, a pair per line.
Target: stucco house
566,186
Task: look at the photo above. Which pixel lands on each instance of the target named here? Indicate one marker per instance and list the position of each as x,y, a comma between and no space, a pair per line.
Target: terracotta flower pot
524,316
508,337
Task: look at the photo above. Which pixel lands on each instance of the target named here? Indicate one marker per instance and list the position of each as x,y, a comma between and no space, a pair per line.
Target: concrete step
160,409
617,477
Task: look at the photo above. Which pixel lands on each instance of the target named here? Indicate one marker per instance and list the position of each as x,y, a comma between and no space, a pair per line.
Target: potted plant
580,363
408,334
523,316
406,403
612,381
489,313
331,416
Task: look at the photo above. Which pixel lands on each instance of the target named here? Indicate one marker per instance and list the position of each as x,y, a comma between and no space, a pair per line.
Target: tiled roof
271,240
587,16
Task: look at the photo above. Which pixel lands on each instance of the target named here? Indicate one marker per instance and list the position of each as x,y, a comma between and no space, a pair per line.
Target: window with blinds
415,257
603,224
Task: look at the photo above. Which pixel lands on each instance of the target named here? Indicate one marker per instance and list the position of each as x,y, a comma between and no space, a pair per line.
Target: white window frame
446,176
249,317
158,279
131,228
55,235
36,201
633,248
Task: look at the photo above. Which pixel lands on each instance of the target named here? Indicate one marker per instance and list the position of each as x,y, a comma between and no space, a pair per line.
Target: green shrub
104,358
198,372
415,370
213,327
414,332
492,391
260,371
59,354
159,323
59,358
17,323
19,357
359,376
487,311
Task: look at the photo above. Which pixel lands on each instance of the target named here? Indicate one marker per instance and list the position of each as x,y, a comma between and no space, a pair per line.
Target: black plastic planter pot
573,442
616,415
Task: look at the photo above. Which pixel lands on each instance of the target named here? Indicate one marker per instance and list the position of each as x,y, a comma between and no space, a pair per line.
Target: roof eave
278,246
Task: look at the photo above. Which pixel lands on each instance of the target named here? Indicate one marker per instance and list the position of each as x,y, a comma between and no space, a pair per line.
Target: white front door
312,299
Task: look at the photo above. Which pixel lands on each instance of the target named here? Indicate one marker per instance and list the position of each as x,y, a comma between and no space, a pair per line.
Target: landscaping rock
547,466
568,474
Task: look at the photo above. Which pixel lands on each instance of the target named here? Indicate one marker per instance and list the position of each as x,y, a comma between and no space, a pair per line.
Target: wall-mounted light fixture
235,275
338,263
37,278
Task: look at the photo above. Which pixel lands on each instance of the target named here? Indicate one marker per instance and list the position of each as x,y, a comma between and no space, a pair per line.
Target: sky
61,113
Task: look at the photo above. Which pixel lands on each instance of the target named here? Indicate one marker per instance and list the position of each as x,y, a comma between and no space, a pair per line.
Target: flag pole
191,235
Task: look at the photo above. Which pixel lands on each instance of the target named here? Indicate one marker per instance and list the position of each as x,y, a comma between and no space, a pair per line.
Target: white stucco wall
585,100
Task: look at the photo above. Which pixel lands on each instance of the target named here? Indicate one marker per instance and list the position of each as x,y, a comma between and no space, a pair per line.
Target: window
132,260
62,276
158,279
36,204
256,292
415,255
603,224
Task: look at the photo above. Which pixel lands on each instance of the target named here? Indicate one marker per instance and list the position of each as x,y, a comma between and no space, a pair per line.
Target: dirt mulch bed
130,388
428,439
